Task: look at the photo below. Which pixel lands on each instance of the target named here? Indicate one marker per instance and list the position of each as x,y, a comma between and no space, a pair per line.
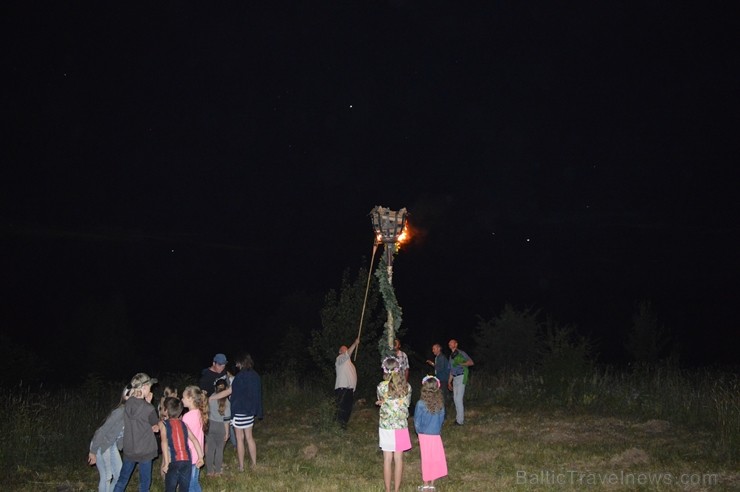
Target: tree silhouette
647,340
340,319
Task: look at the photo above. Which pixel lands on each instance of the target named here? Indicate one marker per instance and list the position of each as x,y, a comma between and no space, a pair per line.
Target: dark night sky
193,168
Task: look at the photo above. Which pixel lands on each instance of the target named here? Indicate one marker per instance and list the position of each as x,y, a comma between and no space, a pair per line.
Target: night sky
180,175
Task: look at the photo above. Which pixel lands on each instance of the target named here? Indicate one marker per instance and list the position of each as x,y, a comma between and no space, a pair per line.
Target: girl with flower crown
429,415
394,398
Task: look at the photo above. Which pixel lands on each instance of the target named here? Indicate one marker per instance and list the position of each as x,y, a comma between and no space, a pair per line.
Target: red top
177,439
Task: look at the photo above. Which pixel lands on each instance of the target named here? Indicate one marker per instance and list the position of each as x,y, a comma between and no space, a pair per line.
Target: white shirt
346,372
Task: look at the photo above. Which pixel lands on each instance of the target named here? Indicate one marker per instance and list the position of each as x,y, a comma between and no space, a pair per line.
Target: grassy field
506,444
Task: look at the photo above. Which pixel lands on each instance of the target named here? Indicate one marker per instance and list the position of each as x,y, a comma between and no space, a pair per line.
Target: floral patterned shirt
394,412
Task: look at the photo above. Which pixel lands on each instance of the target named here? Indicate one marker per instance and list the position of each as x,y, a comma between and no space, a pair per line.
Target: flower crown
427,378
388,360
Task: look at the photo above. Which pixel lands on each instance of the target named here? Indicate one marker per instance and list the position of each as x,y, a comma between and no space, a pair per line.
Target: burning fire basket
389,227
390,230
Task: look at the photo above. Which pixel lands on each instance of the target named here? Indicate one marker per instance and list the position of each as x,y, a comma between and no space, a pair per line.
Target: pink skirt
433,459
394,439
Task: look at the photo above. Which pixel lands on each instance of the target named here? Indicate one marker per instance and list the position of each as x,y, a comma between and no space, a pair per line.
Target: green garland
391,305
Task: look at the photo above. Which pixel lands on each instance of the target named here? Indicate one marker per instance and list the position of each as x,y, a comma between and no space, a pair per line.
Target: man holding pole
345,383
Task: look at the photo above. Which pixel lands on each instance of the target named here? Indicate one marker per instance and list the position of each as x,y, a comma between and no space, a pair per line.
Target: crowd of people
194,428
221,402
394,399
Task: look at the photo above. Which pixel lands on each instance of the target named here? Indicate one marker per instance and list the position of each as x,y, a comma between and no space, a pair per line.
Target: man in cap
210,375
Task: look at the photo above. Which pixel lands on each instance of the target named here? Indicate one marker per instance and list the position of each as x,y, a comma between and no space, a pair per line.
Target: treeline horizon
302,335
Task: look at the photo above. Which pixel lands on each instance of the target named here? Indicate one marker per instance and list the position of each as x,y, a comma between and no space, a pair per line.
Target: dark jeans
446,393
178,474
345,398
145,475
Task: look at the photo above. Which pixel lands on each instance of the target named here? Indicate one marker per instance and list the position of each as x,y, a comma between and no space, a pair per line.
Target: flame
404,237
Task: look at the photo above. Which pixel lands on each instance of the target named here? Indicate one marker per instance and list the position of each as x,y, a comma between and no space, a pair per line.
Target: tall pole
364,302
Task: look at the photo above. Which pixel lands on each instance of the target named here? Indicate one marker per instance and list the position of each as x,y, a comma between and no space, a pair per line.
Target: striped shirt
177,439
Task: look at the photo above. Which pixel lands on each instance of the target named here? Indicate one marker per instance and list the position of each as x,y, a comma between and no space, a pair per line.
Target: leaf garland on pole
384,274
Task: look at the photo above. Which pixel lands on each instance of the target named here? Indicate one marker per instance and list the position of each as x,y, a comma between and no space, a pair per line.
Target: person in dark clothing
210,375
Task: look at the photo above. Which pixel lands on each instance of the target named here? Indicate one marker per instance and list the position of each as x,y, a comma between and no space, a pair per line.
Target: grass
518,436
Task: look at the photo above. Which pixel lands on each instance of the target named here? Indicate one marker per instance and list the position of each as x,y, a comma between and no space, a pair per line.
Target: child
394,398
197,421
429,415
162,409
105,446
140,422
230,371
246,406
218,429
176,458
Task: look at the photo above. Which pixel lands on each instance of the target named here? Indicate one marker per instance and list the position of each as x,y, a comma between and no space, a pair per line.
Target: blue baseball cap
220,359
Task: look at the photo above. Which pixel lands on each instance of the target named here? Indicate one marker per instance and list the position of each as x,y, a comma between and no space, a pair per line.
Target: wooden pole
364,302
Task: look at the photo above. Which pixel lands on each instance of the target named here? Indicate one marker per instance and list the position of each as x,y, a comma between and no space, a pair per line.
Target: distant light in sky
350,106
